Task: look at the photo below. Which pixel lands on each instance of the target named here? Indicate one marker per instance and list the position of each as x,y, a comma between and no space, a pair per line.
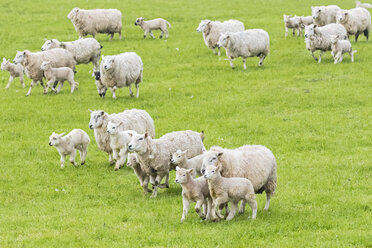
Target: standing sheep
156,24
355,21
358,4
212,31
133,119
14,71
249,43
323,15
60,74
339,47
93,21
293,23
179,158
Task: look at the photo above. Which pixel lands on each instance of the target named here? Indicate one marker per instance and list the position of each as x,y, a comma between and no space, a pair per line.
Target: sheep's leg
11,78
166,184
44,86
312,54
54,85
111,160
366,34
218,202
299,31
22,81
31,85
112,36
119,35
251,199
234,207
286,31
83,154
72,157
213,211
130,90
145,185
320,56
242,207
267,204
352,55
293,31
356,37
205,207
60,86
244,65
113,92
185,210
198,205
219,51
161,34
151,34
48,84
262,57
156,185
341,58
231,63
137,90
209,208
121,160
145,34
166,33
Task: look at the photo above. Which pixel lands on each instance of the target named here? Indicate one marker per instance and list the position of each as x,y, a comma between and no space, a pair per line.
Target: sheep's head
286,18
45,65
55,138
138,143
210,158
107,63
310,30
73,13
182,175
49,44
113,127
315,12
178,156
96,118
101,88
342,16
139,21
4,64
202,26
334,39
211,172
223,40
20,56
132,160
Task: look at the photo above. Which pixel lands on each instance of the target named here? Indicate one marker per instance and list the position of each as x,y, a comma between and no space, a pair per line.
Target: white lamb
212,31
339,47
179,158
60,74
249,43
93,21
193,190
15,70
77,139
142,176
154,155
119,71
156,24
323,15
358,4
355,21
233,189
32,62
133,119
319,38
293,23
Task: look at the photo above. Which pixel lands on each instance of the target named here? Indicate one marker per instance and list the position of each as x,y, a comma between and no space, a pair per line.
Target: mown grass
316,118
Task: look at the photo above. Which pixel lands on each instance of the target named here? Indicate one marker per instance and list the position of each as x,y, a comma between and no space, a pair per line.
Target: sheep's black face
97,75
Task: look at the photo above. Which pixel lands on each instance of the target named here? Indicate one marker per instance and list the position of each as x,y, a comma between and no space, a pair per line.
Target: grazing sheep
319,38
339,47
77,139
249,43
154,154
133,119
323,15
84,50
355,21
233,189
142,176
155,24
179,158
14,71
293,23
93,21
60,74
118,71
32,61
212,31
193,190
358,4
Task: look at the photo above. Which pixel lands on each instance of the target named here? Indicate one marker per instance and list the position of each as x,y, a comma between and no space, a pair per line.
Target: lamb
133,119
318,38
14,71
118,71
224,190
358,4
293,23
193,190
323,15
306,20
154,154
93,21
212,31
32,61
355,21
179,158
84,50
155,24
60,74
249,43
142,176
77,139
339,47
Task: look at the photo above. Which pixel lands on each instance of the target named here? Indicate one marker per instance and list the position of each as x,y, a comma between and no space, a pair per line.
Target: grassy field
316,118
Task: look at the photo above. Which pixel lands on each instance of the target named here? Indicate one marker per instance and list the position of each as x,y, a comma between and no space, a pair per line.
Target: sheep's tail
168,24
202,136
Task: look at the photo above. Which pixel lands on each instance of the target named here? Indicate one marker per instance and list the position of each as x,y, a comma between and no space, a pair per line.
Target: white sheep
193,190
77,139
142,176
60,74
249,43
32,61
212,31
93,21
306,20
154,155
15,70
179,158
133,119
323,15
156,24
339,47
319,38
84,50
293,23
355,21
233,189
358,4
119,71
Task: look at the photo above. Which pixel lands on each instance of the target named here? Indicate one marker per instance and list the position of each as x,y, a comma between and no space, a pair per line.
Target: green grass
316,118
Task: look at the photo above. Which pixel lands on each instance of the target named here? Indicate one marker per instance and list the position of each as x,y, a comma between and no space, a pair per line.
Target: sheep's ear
303,26
24,52
190,170
60,135
103,56
346,13
177,168
146,135
63,45
90,110
130,133
315,26
102,112
4,59
184,152
220,154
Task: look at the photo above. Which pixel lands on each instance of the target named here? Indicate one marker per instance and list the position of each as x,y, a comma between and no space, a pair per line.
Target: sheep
339,47
14,71
293,23
193,190
355,21
154,154
60,74
179,158
358,4
323,15
249,43
155,24
306,20
118,71
32,61
133,119
212,31
142,176
84,50
77,139
318,38
93,21
224,190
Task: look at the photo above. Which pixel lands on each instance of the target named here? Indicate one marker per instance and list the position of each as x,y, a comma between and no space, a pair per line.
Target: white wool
60,74
15,70
156,24
292,22
323,15
355,21
179,158
358,4
339,47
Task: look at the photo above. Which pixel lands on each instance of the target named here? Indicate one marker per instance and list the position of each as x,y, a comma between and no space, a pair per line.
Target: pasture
316,118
